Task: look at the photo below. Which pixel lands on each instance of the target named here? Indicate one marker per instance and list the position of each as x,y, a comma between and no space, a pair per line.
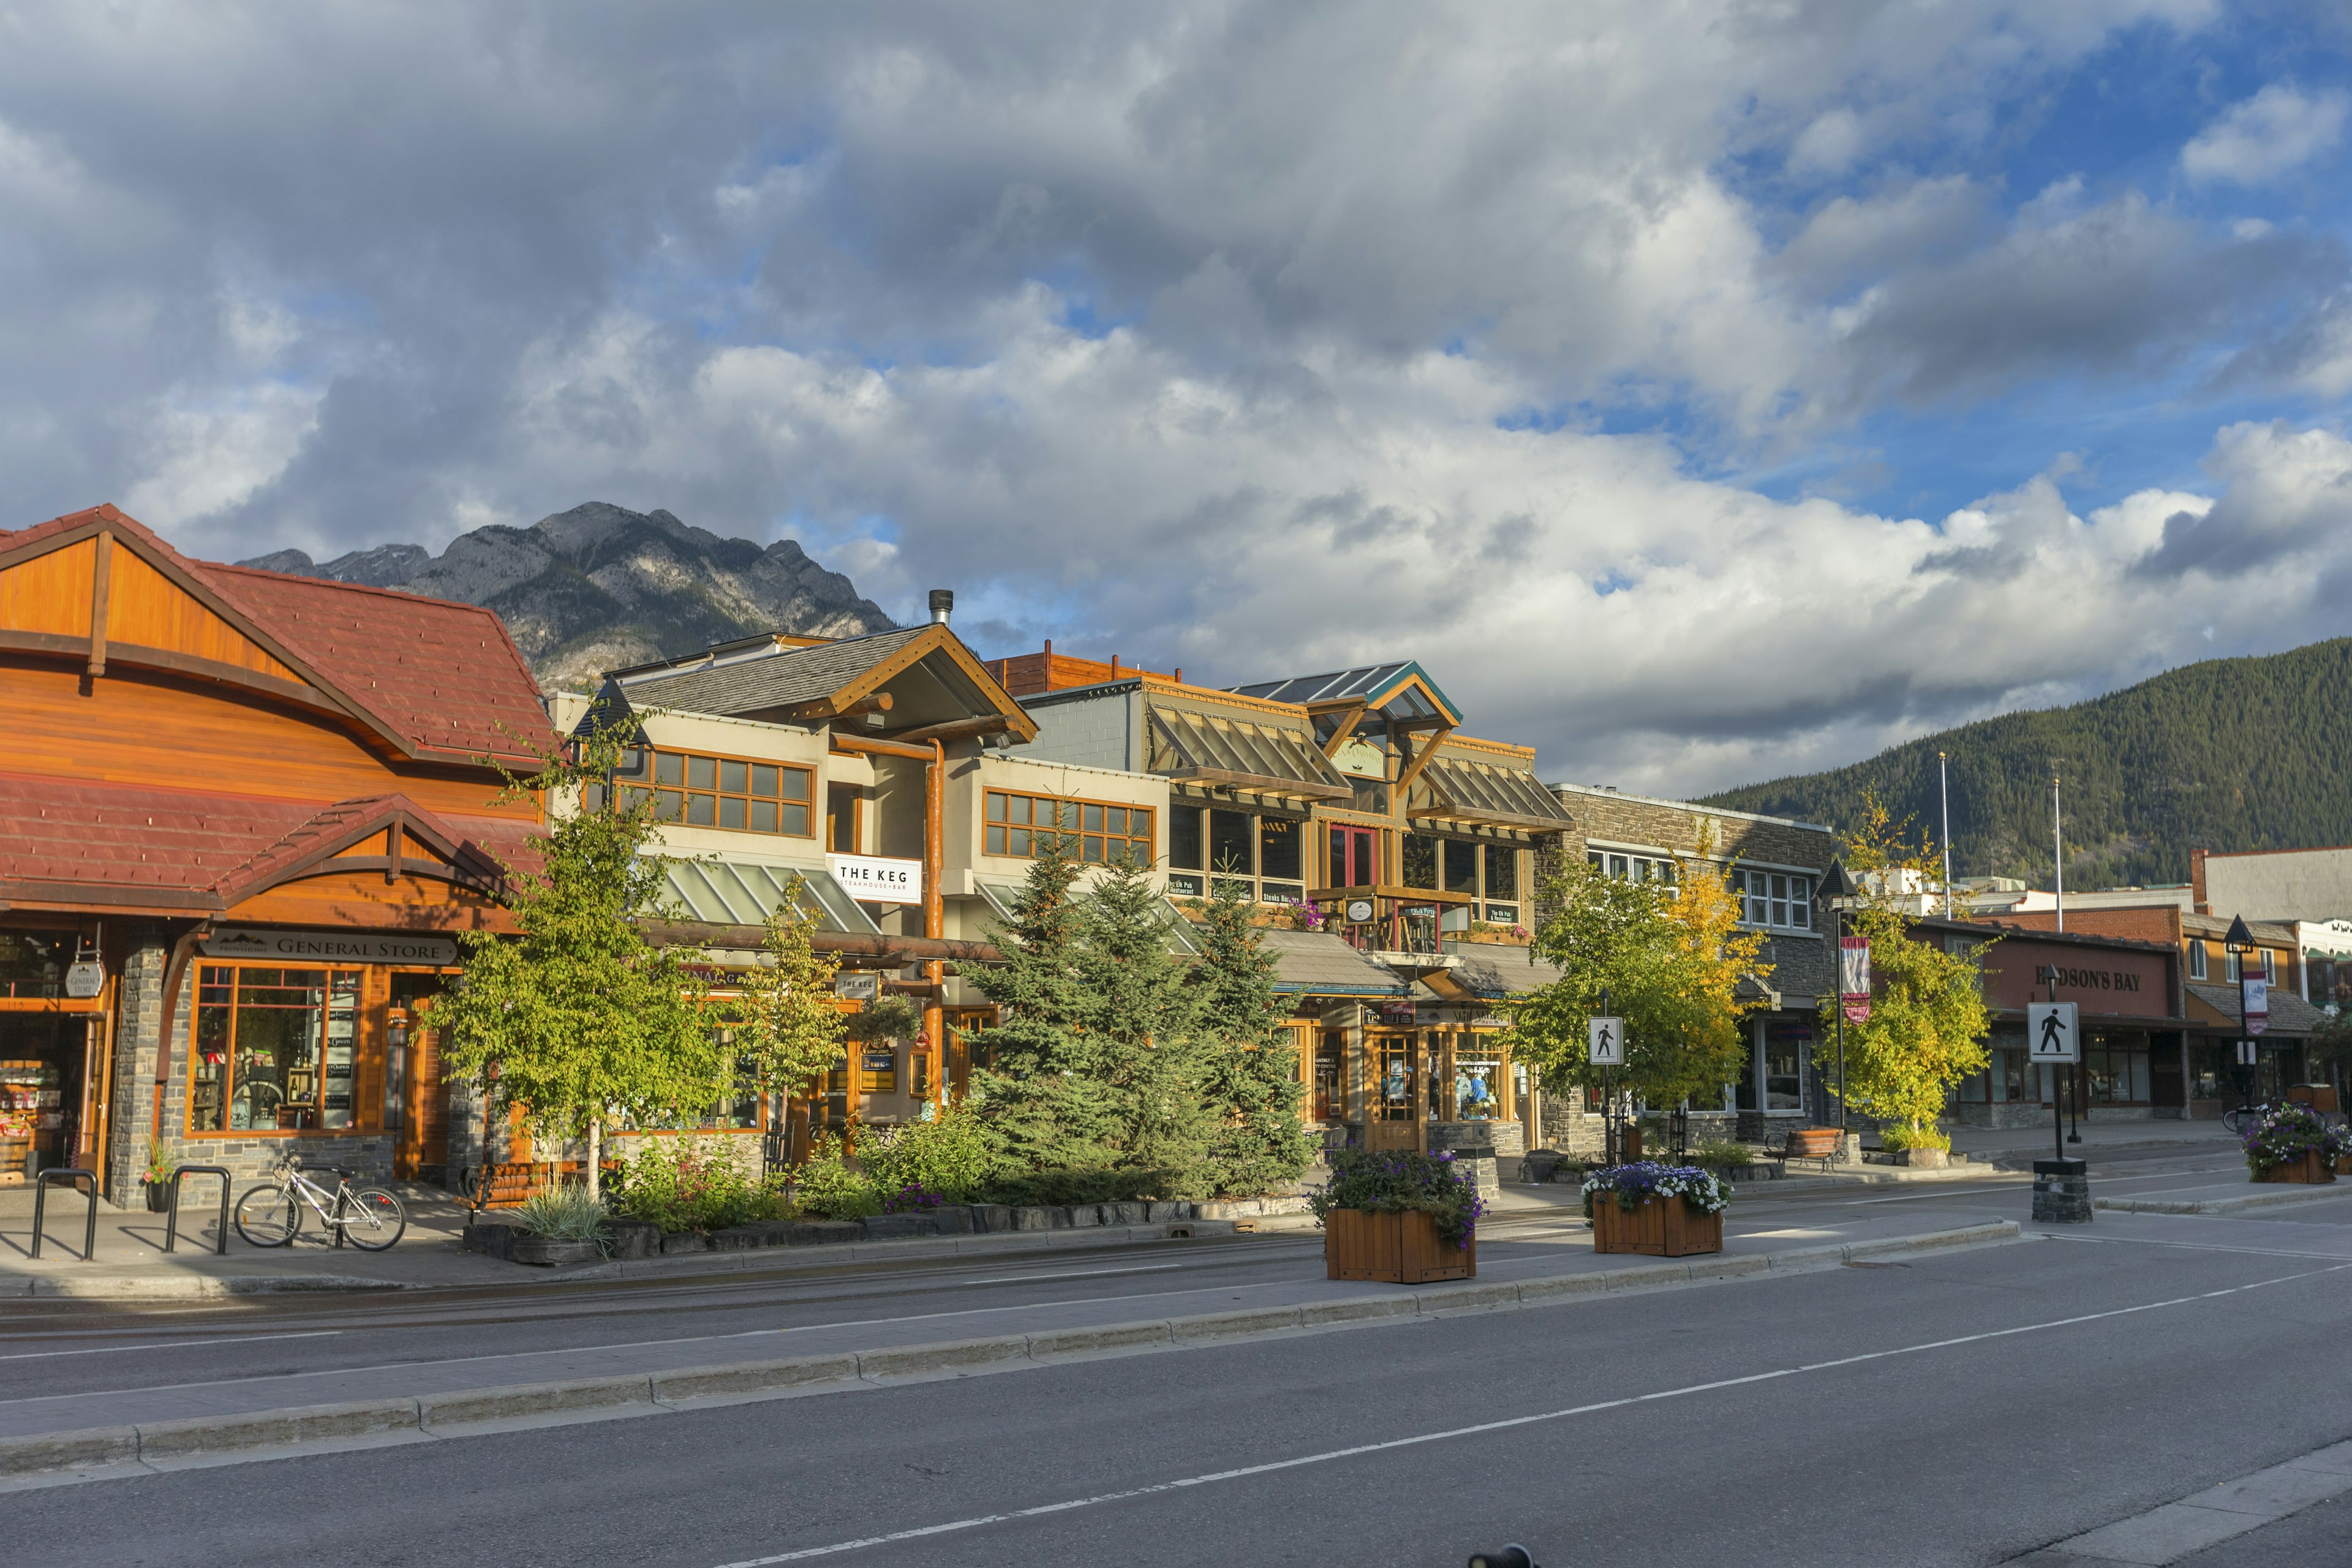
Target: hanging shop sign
877,880
857,985
1359,912
332,946
1853,978
85,978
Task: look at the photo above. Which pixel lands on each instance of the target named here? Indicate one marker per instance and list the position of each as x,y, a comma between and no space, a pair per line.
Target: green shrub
1723,1156
826,1188
947,1155
1052,1189
695,1184
563,1213
1895,1136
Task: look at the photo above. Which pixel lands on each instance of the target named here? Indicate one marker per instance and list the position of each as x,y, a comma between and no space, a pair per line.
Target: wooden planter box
2313,1167
1403,1248
1660,1227
2343,1165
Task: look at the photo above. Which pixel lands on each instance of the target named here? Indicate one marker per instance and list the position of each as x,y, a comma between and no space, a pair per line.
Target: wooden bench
506,1185
1824,1145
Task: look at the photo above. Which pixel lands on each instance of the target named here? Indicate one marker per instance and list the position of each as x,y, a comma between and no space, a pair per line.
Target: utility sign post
2053,1034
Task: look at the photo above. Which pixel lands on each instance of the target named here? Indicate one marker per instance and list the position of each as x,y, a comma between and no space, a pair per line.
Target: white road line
1072,1274
1509,1424
2187,1246
173,1345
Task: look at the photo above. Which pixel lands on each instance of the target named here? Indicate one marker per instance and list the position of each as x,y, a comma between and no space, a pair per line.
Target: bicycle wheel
372,1218
267,1216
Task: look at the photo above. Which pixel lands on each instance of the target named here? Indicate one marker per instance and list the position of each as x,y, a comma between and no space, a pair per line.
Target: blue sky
1704,391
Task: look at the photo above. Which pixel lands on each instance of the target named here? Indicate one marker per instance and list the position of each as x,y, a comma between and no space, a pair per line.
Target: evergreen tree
1035,1081
1143,1020
1251,1078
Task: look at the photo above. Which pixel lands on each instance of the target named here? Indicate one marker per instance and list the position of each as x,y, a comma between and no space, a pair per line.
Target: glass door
1395,1109
1354,856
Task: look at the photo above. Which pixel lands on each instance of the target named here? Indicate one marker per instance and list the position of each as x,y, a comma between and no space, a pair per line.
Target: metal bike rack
172,1229
41,1202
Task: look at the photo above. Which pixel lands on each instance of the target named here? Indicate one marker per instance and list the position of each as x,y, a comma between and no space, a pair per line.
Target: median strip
49,1458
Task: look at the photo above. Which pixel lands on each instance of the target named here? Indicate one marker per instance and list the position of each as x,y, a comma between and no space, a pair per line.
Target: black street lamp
1838,890
2241,946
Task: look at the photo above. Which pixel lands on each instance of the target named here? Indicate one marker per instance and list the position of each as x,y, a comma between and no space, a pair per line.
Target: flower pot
2310,1166
1660,1227
546,1251
159,1197
1402,1249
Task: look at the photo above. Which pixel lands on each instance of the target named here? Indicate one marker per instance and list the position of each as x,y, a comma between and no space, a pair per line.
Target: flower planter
547,1252
1402,1249
2343,1165
1659,1227
159,1197
2310,1166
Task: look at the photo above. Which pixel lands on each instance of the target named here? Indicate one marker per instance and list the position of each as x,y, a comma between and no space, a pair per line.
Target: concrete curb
745,1260
2220,1206
125,1449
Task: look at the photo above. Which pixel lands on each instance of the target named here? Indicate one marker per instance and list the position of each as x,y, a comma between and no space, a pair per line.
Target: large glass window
1461,866
1232,836
1775,899
1630,868
1420,867
699,790
34,963
1478,1081
276,1049
1022,826
1785,1045
1184,839
1355,858
1502,871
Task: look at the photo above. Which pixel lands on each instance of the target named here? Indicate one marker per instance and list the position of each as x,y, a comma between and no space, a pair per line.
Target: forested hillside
2233,753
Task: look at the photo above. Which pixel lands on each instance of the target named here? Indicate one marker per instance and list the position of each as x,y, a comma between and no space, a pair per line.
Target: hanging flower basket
1661,1211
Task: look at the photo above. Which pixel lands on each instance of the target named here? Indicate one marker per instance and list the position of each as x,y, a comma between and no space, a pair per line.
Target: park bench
1824,1145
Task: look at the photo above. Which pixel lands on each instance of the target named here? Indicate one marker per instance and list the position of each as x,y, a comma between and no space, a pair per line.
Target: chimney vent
943,604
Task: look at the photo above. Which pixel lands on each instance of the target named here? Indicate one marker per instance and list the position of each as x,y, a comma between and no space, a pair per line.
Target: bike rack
41,1201
172,1229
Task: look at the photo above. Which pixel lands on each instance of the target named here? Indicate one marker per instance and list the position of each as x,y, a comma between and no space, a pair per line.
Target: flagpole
1944,785
2058,843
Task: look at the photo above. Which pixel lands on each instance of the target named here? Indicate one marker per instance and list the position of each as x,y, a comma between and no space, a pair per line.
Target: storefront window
1785,1045
1461,867
1281,857
276,1049
33,962
1502,872
2117,1069
1420,868
1477,1085
1331,1055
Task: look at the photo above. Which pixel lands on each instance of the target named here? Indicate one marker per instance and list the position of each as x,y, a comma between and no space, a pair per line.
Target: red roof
442,677
204,851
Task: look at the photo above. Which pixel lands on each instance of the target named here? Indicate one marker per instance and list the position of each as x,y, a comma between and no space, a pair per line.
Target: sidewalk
1556,1264
2097,1135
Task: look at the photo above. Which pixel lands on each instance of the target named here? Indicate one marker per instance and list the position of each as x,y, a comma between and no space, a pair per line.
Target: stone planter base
2061,1191
1923,1158
2312,1168
1658,1228
547,1252
1402,1249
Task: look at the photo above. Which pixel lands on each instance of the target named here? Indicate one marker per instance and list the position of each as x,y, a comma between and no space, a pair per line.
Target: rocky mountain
600,586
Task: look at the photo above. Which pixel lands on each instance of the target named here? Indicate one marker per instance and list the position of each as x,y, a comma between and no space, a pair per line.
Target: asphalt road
63,1347
1954,1409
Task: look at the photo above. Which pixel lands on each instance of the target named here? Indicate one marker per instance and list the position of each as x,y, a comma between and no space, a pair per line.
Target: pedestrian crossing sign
2052,1033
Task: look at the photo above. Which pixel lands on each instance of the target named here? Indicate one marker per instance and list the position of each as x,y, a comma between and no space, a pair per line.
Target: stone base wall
2005,1114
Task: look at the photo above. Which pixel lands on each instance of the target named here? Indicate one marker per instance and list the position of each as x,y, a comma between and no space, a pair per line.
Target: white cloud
206,454
2278,130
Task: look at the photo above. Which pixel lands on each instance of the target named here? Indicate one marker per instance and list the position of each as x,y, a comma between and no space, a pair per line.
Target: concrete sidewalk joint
113,1450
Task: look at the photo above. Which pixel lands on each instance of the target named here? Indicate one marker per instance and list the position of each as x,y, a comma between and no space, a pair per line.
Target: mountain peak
600,586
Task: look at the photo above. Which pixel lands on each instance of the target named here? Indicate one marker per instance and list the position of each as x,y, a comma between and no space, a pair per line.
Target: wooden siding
146,609
364,899
50,593
133,729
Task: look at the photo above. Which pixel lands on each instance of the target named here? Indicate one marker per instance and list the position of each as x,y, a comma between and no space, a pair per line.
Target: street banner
1853,978
1604,1039
2255,1003
2052,1033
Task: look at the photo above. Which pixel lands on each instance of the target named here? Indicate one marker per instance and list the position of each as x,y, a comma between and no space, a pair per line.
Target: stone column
138,1023
2061,1191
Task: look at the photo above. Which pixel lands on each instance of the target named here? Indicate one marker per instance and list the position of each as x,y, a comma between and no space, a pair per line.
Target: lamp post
2241,946
1838,890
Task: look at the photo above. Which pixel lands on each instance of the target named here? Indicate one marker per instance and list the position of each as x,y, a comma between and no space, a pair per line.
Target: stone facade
130,1120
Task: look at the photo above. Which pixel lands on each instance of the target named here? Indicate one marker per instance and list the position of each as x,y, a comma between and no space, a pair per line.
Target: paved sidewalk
1535,1267
2098,1136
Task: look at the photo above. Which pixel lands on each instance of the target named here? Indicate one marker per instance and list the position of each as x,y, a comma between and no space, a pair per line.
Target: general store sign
875,879
332,946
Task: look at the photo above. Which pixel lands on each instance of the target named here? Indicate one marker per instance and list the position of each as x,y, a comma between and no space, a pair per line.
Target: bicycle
2238,1116
269,1214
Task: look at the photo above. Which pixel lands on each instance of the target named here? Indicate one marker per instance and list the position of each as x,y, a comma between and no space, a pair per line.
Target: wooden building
241,816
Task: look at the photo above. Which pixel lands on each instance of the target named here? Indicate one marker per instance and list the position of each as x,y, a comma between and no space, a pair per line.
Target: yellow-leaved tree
1671,956
1927,1016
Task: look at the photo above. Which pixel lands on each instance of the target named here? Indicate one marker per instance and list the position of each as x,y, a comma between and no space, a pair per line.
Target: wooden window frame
649,781
362,1041
1082,822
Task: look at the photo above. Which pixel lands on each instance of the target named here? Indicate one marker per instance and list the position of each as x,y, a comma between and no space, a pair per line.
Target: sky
1702,392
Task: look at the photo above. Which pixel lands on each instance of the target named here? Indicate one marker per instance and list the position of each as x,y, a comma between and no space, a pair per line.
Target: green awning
744,893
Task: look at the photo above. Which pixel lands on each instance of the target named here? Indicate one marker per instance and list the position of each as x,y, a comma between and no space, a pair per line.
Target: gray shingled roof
2290,1014
768,679
1317,963
1495,970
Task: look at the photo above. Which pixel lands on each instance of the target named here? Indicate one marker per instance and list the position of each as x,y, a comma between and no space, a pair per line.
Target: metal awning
744,893
1466,791
1001,897
1243,755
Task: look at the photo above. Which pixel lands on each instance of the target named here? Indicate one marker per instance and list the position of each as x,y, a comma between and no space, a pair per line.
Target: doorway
1355,858
44,1090
413,1092
1392,1107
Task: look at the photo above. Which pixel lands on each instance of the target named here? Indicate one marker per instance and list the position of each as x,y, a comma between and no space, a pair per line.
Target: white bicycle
271,1214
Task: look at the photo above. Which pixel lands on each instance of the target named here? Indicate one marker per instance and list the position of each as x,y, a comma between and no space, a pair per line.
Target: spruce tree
1142,1016
1036,1082
1250,1078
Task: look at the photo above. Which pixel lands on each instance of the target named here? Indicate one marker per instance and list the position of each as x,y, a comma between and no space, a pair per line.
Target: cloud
1248,337
2287,496
2277,130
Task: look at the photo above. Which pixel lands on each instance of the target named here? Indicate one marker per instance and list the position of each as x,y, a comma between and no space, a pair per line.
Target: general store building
242,818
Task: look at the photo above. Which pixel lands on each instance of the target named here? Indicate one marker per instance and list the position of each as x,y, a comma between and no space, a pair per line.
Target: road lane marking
1072,1274
2188,1245
1509,1424
173,1345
